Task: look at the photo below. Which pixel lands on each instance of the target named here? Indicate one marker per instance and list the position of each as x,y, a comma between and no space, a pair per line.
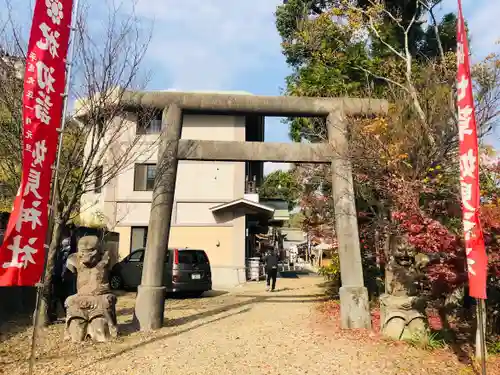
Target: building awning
248,207
280,206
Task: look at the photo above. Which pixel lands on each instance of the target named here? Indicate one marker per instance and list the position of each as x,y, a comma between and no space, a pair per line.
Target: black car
186,271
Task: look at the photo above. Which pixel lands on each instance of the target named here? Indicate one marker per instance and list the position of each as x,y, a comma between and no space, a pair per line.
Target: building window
144,177
98,179
138,238
149,122
136,257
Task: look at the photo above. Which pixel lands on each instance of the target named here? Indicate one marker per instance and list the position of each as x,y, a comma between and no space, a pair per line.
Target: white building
211,210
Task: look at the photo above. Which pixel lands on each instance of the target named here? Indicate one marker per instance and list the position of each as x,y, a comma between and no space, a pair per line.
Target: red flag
477,261
23,250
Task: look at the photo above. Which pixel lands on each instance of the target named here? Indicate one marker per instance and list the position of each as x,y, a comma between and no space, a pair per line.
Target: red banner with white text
22,253
477,261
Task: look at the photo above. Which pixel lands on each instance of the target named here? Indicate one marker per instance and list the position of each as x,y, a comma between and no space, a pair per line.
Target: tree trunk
377,248
387,267
45,309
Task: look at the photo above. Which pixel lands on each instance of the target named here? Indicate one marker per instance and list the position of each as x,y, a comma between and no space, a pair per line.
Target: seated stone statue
402,310
92,310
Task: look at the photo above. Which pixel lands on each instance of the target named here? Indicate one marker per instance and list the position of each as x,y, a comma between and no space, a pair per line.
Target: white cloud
272,167
208,44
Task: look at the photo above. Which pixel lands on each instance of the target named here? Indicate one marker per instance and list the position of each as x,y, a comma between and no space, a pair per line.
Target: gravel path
246,331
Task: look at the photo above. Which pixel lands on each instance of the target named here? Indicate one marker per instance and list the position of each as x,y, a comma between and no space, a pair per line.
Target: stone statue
92,310
402,310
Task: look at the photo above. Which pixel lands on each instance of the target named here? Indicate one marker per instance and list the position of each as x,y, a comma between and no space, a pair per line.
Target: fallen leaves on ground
330,320
247,331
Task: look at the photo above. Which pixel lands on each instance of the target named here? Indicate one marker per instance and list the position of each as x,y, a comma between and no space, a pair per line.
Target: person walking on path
271,262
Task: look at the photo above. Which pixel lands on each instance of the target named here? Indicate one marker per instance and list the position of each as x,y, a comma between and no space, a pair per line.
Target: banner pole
39,287
481,342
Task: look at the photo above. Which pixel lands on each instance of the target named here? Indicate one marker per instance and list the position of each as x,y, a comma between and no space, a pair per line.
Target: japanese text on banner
469,168
22,252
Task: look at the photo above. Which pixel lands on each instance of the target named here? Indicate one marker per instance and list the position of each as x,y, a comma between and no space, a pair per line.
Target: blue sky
234,45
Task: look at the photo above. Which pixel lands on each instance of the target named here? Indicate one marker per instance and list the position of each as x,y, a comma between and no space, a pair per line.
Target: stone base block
354,307
403,317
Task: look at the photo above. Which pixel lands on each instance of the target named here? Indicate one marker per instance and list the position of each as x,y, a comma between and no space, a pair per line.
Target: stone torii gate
149,307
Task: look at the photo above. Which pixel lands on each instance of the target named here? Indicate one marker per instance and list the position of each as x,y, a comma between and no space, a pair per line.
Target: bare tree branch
102,131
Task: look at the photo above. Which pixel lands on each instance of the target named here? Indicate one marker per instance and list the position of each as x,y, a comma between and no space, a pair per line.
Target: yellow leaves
436,176
9,173
395,149
355,19
435,180
377,126
450,59
6,204
388,147
305,35
337,12
486,72
490,56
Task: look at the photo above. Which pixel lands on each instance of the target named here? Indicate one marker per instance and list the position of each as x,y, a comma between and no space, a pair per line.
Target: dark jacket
271,261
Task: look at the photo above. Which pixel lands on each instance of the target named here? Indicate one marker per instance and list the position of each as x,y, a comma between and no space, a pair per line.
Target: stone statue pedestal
402,317
92,316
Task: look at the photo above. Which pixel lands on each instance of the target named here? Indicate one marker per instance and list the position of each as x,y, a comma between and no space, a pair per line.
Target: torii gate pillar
354,302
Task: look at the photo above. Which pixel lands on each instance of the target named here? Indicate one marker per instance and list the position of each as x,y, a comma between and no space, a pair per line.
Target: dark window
136,256
144,177
149,122
192,257
202,257
98,179
138,238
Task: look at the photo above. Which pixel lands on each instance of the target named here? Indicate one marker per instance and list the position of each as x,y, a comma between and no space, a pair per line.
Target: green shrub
427,341
493,345
332,271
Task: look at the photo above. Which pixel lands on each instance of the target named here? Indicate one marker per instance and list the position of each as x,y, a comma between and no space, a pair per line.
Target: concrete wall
199,186
208,181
